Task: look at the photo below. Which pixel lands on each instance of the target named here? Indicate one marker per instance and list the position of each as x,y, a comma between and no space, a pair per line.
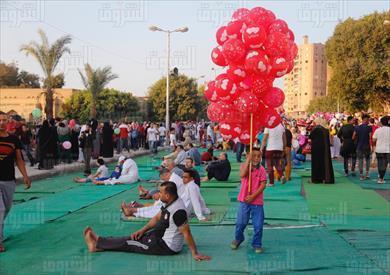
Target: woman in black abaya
321,162
108,145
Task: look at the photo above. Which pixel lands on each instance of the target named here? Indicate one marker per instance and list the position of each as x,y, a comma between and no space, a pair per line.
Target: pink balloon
72,123
257,62
217,56
273,98
277,44
247,102
221,35
254,36
210,93
236,73
67,145
279,66
240,14
234,51
235,29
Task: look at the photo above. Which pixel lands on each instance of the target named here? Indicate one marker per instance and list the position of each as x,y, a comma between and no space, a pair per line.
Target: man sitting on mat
128,175
164,234
150,211
143,211
190,165
219,169
192,198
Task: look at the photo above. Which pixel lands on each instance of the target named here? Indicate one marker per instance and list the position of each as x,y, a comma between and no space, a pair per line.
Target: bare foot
125,209
2,248
89,241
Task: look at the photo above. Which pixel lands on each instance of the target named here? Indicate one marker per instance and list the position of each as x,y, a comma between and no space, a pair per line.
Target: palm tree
95,81
48,57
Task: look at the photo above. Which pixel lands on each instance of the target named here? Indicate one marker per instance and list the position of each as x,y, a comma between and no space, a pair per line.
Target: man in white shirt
192,198
275,140
150,211
151,137
381,139
163,132
129,172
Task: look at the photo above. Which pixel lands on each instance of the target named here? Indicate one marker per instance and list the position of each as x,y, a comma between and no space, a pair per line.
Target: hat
121,158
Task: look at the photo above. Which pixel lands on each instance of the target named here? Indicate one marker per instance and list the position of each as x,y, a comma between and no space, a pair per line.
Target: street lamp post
168,32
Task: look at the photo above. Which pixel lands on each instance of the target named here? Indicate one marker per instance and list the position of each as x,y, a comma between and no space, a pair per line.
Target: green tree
48,55
322,104
11,77
358,53
110,104
95,81
58,81
185,102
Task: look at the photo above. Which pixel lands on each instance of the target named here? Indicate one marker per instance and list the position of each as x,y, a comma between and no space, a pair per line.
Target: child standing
251,203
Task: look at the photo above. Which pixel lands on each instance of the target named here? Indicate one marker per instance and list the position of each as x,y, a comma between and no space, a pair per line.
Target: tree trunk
93,107
49,103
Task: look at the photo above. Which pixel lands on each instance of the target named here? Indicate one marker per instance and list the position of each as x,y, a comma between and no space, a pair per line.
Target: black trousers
383,162
149,243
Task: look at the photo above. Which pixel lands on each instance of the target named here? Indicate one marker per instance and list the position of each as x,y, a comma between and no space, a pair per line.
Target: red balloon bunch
255,47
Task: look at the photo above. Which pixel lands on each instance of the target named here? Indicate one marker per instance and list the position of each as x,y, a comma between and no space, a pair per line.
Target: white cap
121,158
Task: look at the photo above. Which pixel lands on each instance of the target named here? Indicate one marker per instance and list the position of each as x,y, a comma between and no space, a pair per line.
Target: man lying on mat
164,234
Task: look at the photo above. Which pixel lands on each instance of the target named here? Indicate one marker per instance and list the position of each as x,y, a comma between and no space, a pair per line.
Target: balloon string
250,153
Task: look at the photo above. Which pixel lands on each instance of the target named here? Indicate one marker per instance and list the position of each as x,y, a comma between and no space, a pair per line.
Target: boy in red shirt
251,203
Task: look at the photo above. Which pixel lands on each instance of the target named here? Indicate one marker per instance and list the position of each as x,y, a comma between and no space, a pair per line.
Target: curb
77,166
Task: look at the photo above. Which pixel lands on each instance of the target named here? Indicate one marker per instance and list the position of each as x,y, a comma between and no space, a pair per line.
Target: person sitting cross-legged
102,172
219,169
164,234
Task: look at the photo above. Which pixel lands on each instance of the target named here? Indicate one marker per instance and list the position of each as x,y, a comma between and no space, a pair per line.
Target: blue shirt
363,136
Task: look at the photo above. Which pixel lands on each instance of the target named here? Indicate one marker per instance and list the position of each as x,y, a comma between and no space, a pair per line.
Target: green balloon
117,131
37,113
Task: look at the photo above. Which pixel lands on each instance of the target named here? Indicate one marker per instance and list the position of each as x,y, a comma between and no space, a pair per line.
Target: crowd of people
177,197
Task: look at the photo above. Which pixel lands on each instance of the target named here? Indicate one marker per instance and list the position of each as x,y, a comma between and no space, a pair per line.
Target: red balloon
236,73
257,62
246,84
260,16
290,35
234,51
225,87
270,118
278,25
247,102
273,98
235,29
232,115
279,66
214,112
245,136
210,92
217,56
221,35
254,36
260,85
229,130
292,51
240,14
277,44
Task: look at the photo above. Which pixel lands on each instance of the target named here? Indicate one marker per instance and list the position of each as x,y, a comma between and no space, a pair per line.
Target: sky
116,33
